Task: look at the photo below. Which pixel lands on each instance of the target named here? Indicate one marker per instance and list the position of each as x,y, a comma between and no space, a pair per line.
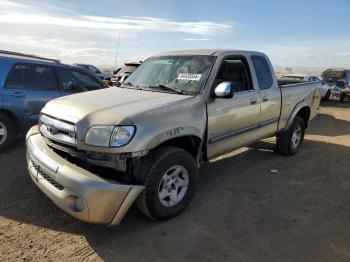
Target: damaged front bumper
77,191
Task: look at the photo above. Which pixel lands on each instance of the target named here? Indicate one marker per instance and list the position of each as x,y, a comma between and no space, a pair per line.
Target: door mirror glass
224,90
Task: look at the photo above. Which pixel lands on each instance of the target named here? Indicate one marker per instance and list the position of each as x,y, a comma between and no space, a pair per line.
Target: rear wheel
169,175
7,132
290,142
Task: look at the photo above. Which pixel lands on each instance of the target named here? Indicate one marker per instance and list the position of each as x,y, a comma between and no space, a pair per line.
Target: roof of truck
205,52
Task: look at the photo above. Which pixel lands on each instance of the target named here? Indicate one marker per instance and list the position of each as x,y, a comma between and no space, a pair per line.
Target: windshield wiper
129,84
169,88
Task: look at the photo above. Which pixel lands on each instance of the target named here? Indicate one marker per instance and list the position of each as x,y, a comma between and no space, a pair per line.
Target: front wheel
7,132
290,142
169,175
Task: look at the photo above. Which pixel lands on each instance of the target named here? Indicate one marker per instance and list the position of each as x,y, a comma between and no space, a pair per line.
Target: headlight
121,135
109,136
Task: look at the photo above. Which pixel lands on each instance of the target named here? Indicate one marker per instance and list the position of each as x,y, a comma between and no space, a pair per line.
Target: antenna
116,53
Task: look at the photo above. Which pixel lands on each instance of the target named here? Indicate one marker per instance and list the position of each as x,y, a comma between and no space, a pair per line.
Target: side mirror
224,90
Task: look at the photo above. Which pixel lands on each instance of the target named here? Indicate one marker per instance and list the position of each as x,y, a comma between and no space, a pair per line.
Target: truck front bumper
77,191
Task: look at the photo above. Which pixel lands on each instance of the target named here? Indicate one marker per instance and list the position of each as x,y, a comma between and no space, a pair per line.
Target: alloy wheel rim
296,137
3,133
173,186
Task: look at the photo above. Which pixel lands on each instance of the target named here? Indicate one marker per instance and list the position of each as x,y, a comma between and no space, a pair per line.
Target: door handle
18,94
265,99
253,101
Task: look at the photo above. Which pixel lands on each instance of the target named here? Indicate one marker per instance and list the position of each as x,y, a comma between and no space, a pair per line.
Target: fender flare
294,113
174,133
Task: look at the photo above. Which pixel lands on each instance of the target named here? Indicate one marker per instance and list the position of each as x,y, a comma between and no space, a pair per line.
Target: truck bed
298,92
283,82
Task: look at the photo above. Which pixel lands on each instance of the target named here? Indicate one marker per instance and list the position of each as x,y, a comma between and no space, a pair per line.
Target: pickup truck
96,153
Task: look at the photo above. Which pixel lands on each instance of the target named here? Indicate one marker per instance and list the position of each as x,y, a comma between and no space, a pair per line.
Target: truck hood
108,106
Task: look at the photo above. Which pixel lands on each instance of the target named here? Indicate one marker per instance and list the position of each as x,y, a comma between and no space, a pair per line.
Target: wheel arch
187,138
303,110
12,117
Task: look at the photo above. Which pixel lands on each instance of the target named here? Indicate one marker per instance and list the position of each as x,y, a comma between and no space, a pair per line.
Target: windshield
180,74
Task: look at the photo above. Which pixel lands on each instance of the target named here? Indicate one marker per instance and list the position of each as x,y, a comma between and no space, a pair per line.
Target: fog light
79,204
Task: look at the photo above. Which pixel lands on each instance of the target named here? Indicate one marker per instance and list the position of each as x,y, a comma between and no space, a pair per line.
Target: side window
94,70
263,72
39,77
14,78
75,81
235,71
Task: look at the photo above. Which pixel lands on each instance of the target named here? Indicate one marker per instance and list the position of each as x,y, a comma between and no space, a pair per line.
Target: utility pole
116,54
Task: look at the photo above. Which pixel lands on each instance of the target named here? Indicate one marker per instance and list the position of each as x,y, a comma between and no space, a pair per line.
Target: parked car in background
125,72
93,69
27,83
145,141
337,80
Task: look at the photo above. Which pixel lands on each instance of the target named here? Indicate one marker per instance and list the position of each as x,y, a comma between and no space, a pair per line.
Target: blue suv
27,83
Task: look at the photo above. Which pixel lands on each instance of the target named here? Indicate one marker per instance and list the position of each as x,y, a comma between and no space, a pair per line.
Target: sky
294,33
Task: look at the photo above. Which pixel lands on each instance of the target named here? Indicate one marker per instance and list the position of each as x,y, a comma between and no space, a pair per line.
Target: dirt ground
241,211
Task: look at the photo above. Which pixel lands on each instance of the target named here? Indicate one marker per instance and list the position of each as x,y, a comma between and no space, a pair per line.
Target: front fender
173,133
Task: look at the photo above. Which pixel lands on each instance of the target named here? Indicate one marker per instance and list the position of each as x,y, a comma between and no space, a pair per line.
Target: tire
327,96
286,142
155,168
7,132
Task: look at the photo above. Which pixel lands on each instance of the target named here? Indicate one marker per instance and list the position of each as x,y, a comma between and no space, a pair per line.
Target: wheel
169,175
7,132
327,96
289,142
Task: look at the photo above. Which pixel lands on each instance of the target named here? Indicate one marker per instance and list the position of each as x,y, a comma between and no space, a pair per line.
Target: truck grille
45,176
57,130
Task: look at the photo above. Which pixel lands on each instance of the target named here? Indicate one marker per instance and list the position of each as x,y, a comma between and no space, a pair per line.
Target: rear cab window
263,72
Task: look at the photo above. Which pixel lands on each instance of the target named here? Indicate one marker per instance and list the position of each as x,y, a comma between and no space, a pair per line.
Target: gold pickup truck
95,154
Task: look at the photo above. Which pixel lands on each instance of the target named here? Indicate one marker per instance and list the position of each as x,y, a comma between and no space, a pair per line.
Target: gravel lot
241,211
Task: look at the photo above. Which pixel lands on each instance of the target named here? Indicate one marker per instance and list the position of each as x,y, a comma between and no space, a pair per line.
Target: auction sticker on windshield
188,76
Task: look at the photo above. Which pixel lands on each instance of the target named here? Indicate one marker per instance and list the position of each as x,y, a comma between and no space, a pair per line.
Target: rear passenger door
270,94
28,88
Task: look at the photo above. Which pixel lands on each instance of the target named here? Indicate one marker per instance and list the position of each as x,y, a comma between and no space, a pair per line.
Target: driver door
233,122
